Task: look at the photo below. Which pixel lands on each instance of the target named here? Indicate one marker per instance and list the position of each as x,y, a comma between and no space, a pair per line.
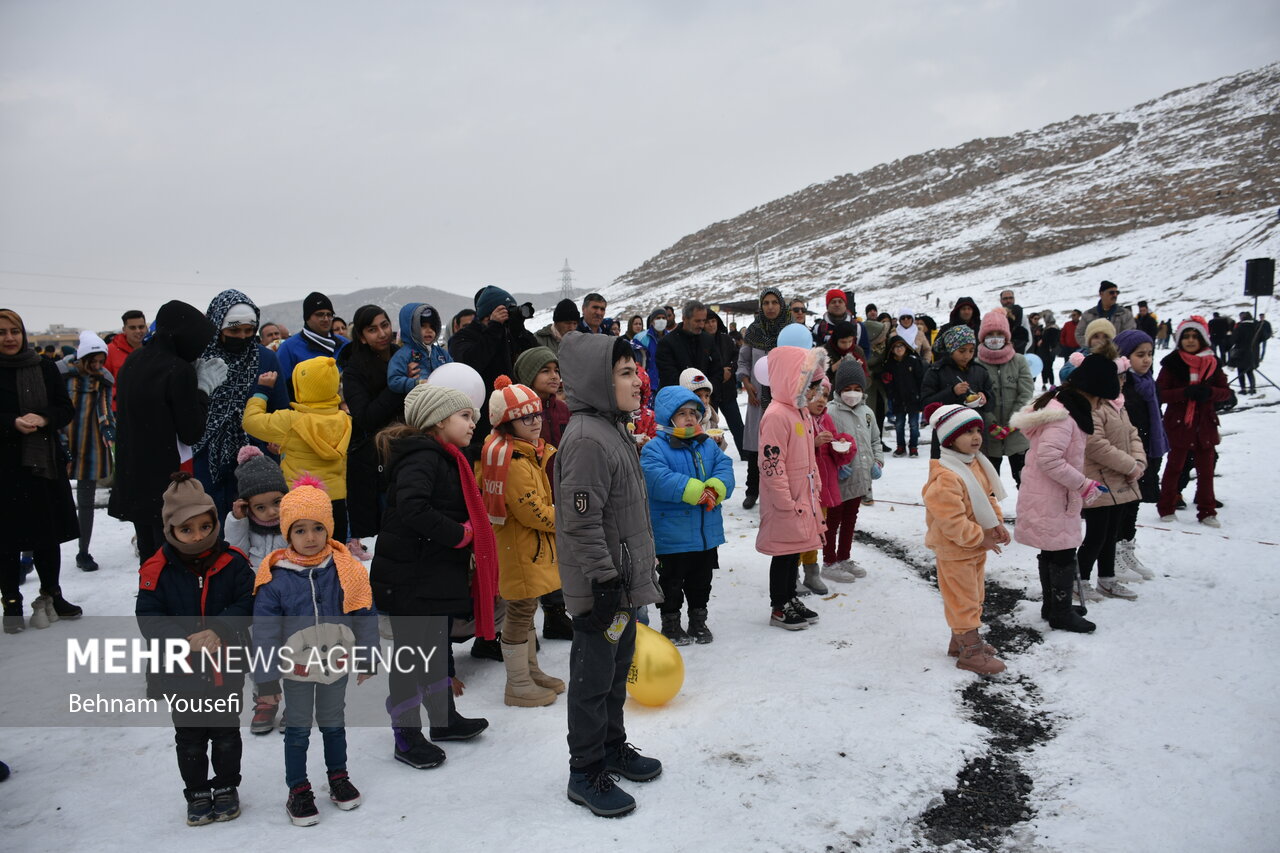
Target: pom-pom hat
256,474
306,501
510,401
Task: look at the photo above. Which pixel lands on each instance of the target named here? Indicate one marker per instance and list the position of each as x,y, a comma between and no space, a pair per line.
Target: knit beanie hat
693,379
995,321
256,474
531,362
844,329
316,381
313,303
307,501
489,298
509,402
184,499
1196,323
958,336
950,421
837,293
89,344
566,310
850,372
427,405
1130,339
1105,285
1096,375
240,314
1099,325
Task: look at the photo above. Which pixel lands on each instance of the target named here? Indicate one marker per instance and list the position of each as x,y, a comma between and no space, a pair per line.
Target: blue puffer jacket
675,473
302,608
428,356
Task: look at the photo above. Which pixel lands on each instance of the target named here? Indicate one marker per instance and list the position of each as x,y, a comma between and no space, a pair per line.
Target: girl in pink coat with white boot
790,485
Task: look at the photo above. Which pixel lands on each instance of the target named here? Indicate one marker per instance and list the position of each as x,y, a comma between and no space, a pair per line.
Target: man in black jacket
688,346
487,345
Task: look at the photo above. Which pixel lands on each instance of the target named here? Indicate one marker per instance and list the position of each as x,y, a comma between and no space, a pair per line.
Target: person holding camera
489,344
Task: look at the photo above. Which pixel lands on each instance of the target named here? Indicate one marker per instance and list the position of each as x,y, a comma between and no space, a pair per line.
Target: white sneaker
1168,518
839,573
1211,521
1112,588
1091,595
1126,555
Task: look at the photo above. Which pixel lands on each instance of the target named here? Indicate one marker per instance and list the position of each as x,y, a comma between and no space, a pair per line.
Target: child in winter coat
902,375
790,508
692,379
853,417
605,544
199,589
1099,335
688,477
955,377
830,460
434,529
313,626
1113,456
964,521
313,433
253,526
419,329
1142,404
91,434
1054,486
1191,381
1012,387
517,495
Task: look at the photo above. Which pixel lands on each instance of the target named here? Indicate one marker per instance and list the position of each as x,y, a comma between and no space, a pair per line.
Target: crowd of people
588,482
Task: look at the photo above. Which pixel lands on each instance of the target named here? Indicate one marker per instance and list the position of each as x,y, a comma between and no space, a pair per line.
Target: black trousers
753,471
686,575
413,683
48,560
150,535
731,415
784,572
86,492
197,745
1101,524
598,672
1016,463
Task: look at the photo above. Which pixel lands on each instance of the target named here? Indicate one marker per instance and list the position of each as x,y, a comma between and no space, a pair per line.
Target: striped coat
92,427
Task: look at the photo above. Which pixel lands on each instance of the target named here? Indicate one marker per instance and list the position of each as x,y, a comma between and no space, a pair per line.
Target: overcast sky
157,150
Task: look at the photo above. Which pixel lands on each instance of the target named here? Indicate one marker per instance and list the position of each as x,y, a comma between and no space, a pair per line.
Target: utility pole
566,281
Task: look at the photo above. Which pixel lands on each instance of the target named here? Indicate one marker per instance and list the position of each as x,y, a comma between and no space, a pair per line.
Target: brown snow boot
974,656
953,648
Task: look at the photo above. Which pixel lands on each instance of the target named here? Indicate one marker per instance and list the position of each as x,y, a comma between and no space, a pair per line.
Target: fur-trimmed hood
791,369
1030,420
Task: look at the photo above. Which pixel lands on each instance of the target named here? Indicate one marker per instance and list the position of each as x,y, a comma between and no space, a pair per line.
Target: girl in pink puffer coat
790,485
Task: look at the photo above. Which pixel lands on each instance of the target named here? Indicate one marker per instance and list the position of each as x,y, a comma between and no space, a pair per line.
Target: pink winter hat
995,321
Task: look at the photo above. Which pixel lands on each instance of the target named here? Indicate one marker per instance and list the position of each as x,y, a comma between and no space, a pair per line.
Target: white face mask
659,324
851,398
993,342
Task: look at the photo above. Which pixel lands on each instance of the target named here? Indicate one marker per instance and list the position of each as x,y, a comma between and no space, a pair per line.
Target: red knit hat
837,293
510,401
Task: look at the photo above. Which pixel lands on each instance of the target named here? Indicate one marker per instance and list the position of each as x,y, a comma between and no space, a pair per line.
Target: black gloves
1199,392
606,598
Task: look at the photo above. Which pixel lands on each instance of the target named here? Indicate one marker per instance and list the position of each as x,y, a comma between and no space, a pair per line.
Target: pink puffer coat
790,485
1053,479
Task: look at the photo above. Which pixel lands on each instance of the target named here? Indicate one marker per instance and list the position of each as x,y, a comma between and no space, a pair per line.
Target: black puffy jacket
417,570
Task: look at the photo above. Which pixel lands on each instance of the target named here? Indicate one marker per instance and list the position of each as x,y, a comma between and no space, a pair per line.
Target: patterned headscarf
763,333
223,436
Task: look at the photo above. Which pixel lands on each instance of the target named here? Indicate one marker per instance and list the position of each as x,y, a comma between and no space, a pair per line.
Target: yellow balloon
657,670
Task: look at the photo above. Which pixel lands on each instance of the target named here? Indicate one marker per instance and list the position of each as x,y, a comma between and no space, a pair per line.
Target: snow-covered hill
1167,199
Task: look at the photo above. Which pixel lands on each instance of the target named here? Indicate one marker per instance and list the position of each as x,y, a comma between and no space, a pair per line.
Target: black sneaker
672,631
416,751
86,563
900,452
749,501
226,804
789,618
342,793
556,624
596,790
487,649
200,808
810,616
459,728
914,452
626,762
65,609
302,806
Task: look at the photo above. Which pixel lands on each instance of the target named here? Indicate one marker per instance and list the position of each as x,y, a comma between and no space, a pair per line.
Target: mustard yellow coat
527,566
313,440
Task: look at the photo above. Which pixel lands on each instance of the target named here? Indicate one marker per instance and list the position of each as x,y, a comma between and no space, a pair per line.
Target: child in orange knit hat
313,625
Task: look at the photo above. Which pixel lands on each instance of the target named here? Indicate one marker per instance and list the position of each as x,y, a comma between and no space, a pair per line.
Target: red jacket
1172,384
117,351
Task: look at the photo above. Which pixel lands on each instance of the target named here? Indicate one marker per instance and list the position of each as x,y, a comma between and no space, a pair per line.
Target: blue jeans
900,421
303,701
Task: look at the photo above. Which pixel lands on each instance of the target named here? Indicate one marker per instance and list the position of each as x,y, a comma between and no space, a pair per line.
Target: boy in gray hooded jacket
606,549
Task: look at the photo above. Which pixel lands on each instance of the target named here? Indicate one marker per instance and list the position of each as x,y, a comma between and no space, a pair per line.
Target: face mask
851,398
993,342
659,324
235,346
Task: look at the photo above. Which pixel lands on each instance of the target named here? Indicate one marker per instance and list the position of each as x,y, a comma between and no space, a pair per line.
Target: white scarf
958,463
908,333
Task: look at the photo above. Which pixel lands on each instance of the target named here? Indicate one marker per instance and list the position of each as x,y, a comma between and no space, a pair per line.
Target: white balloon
761,371
460,377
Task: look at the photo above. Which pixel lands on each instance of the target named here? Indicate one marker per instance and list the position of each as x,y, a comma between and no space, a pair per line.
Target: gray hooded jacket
602,512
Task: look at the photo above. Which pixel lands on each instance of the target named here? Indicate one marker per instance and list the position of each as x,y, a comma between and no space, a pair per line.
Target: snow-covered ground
838,737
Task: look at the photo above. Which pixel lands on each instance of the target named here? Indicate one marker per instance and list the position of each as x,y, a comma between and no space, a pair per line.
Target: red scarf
1203,364
484,584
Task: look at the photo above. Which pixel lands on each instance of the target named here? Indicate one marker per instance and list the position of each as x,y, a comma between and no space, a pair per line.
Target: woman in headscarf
235,318
372,406
36,510
761,337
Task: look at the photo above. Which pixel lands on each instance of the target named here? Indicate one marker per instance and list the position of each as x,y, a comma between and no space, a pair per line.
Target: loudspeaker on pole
1259,277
